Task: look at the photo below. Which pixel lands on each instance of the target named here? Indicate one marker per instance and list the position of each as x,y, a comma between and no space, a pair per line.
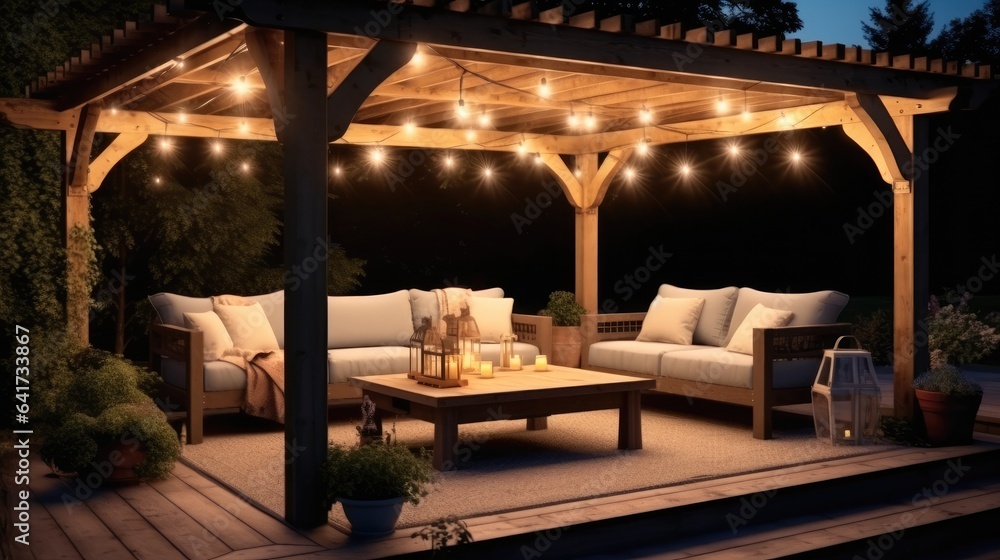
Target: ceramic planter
372,518
950,419
567,344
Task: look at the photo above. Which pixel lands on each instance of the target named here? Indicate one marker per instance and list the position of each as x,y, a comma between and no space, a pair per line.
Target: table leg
445,439
538,423
630,421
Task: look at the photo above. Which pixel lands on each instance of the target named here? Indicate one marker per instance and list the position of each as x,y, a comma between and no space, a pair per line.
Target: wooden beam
892,152
385,58
267,50
77,145
305,171
161,56
518,42
585,238
120,147
83,143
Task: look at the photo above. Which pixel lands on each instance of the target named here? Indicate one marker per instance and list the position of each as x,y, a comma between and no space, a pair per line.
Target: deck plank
132,529
47,540
88,533
271,551
193,539
271,528
219,521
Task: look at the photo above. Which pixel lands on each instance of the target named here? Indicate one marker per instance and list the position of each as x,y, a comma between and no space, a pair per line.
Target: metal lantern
506,349
441,365
469,342
846,396
417,348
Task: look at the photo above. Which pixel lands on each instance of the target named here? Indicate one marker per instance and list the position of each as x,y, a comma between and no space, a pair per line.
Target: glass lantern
441,363
506,349
846,396
469,342
417,348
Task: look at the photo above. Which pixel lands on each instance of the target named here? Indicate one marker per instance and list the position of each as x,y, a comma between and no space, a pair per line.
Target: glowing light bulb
796,156
217,147
522,149
182,117
591,121
645,116
157,180
409,127
337,170
449,161
164,144
240,85
487,172
245,166
377,155
642,147
784,120
746,115
543,89
629,173
244,127
721,105
484,119
538,158
734,150
470,135
577,172
573,120
685,169
462,111
418,58
114,110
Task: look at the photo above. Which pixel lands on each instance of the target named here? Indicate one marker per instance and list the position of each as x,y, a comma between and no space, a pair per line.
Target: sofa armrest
608,326
533,329
784,343
187,346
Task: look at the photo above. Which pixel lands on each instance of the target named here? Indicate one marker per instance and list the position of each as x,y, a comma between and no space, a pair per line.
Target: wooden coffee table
509,395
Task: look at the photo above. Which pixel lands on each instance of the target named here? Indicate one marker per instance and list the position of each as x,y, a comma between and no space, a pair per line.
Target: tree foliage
900,27
974,39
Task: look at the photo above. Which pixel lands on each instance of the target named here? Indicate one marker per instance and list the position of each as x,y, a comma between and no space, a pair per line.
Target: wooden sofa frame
769,345
187,346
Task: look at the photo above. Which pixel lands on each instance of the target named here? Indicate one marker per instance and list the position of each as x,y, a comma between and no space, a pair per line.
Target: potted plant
372,481
567,340
947,398
98,421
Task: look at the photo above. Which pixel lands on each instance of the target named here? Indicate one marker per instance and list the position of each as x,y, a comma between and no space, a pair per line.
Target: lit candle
515,362
541,363
466,362
486,369
847,433
452,368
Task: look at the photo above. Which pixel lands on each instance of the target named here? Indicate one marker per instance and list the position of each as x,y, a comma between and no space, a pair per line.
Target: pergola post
894,143
585,189
911,289
305,170
76,214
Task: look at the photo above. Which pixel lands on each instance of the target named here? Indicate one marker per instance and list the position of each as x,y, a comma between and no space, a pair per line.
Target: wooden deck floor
189,516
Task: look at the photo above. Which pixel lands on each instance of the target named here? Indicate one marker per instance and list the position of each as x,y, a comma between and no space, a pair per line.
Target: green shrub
376,471
947,379
564,309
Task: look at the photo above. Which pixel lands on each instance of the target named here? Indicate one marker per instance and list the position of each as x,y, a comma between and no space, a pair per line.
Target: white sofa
367,335
691,351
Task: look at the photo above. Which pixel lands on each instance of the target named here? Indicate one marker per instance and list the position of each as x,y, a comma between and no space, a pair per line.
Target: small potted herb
567,340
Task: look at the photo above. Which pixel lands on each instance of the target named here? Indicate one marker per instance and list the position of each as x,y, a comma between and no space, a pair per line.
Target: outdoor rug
504,467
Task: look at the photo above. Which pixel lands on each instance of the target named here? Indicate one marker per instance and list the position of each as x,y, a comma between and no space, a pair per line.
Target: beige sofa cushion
170,308
632,355
760,317
492,316
344,363
812,308
713,323
215,339
248,326
671,320
717,366
378,320
424,303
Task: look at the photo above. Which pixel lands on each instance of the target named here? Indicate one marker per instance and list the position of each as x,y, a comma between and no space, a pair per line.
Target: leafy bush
947,379
957,335
874,334
563,309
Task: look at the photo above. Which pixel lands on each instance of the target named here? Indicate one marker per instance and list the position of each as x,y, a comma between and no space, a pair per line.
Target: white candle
515,362
541,363
486,369
847,433
466,361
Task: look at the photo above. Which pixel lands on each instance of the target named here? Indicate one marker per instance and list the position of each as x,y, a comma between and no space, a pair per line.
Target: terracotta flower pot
117,461
949,419
567,344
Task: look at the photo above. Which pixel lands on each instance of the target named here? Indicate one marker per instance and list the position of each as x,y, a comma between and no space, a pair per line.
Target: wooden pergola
579,91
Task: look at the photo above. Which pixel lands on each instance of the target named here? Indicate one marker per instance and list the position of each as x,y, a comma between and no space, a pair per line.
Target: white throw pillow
760,317
216,337
248,326
671,320
492,316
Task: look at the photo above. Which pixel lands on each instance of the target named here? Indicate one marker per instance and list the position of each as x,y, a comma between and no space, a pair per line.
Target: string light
783,120
244,127
245,166
240,85
487,172
217,147
522,148
629,173
417,59
449,161
164,144
337,171
796,156
591,121
461,110
643,146
722,105
470,135
538,158
376,155
182,117
543,89
577,172
484,119
645,115
573,120
114,111
685,169
734,149
409,127
156,180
